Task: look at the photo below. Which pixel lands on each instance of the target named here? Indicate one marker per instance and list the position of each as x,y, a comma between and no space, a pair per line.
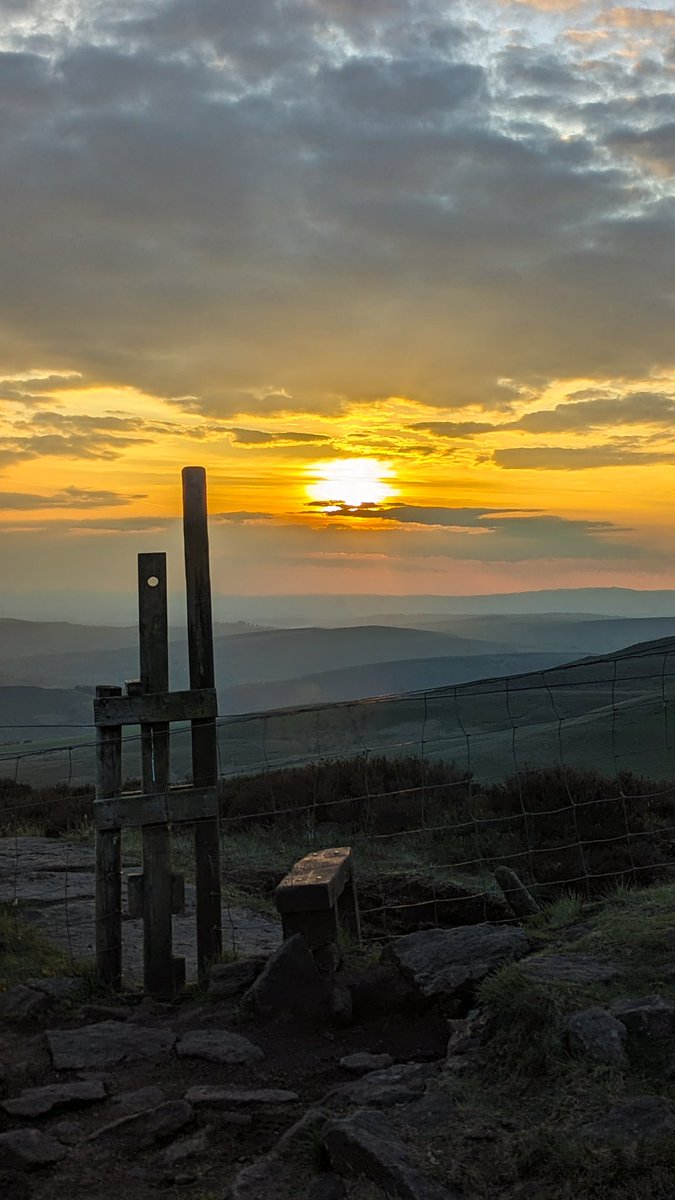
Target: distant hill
19,638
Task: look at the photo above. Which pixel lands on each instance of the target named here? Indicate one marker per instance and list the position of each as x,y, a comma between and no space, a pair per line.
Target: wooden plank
315,882
158,971
169,808
109,855
154,707
135,887
204,744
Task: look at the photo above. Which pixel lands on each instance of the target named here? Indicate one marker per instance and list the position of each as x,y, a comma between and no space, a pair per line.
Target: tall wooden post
109,853
154,663
204,745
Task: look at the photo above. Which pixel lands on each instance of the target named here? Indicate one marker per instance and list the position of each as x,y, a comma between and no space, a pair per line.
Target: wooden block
151,707
166,808
315,882
135,901
317,928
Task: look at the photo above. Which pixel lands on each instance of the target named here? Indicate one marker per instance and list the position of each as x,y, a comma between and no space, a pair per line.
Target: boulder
289,984
21,1003
41,1101
597,1034
230,979
218,1046
106,1043
365,1144
30,1149
652,1016
521,902
283,1172
393,1085
447,963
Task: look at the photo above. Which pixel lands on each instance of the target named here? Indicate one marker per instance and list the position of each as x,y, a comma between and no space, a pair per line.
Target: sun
350,482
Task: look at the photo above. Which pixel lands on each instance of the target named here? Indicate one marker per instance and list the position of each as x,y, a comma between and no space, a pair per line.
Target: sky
400,275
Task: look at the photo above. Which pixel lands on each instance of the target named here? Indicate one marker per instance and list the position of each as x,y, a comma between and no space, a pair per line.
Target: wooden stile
157,889
109,853
204,744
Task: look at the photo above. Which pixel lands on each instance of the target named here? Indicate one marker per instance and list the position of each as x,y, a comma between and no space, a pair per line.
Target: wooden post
158,970
204,745
109,853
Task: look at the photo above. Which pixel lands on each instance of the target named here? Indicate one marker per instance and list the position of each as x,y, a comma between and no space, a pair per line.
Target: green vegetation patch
25,953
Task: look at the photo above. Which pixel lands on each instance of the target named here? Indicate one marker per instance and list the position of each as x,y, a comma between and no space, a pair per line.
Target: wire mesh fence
565,775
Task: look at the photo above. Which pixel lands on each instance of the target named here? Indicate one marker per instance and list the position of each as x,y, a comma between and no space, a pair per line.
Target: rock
40,1101
434,1110
30,1149
521,902
229,979
59,988
340,1004
361,1064
652,1016
106,1043
148,1126
383,989
327,1186
393,1085
218,1046
289,983
570,968
283,1172
597,1034
446,963
190,1147
632,1120
68,1132
105,1012
365,1144
21,1003
204,1096
134,1101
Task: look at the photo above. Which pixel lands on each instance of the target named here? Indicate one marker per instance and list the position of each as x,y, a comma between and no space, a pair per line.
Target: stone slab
106,1043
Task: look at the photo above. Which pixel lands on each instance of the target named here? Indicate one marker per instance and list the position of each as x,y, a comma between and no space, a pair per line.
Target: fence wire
564,775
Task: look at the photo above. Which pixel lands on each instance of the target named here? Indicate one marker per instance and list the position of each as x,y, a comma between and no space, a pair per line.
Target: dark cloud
256,437
241,517
70,497
579,458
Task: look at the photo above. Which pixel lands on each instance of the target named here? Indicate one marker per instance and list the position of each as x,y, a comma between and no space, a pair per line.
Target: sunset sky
399,273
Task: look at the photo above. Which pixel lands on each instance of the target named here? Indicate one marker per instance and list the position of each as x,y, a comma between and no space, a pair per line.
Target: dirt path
53,884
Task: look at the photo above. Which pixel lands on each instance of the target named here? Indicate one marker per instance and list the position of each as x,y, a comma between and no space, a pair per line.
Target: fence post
109,853
154,666
204,745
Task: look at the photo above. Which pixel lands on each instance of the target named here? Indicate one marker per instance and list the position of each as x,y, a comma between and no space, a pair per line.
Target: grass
24,953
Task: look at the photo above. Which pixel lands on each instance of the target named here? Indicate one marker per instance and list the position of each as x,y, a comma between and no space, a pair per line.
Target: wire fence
565,775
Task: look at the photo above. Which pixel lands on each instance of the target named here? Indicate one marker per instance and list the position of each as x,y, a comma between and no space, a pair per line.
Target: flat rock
652,1016
230,979
30,1149
218,1046
205,1096
361,1064
22,1003
196,1146
59,988
393,1085
289,983
631,1120
148,1126
105,1043
597,1034
282,1172
445,963
433,1110
365,1144
140,1098
40,1101
571,968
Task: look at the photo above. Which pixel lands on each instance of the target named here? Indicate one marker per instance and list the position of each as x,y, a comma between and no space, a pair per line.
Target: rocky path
53,884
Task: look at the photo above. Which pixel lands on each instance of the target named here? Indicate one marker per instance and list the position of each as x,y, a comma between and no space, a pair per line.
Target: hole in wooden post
153,581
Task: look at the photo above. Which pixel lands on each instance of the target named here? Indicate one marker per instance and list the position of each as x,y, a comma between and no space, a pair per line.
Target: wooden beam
156,706
158,970
109,854
167,808
204,744
315,882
